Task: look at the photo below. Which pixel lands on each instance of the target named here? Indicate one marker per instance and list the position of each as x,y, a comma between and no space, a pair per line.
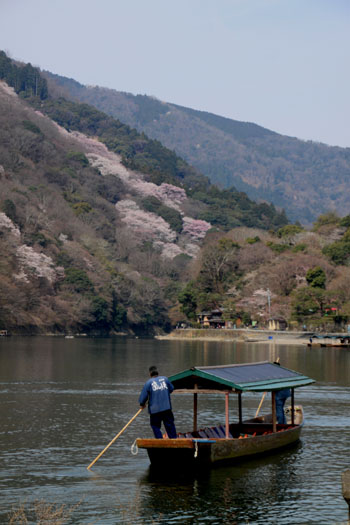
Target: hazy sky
283,64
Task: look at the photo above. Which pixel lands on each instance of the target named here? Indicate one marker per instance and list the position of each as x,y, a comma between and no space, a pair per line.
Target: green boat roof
254,377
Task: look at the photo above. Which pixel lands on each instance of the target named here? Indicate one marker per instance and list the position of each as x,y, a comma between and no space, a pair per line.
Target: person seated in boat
280,398
157,392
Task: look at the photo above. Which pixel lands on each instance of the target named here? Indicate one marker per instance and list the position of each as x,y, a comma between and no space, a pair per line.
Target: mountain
98,223
104,230
304,178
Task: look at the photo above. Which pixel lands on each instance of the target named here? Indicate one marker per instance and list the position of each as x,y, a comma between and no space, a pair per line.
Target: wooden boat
228,442
337,342
330,341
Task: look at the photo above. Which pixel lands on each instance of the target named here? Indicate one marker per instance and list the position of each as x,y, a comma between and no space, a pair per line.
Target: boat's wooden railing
236,431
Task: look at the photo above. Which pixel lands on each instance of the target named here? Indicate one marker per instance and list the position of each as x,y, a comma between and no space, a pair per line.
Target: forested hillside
304,178
103,230
98,223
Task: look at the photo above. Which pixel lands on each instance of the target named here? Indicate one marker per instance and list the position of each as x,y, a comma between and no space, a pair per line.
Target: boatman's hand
143,406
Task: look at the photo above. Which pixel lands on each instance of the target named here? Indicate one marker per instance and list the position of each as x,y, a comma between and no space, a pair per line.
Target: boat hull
200,451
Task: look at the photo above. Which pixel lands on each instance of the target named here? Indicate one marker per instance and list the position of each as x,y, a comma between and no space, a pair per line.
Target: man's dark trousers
168,419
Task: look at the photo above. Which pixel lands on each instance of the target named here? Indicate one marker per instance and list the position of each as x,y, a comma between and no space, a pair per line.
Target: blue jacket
157,391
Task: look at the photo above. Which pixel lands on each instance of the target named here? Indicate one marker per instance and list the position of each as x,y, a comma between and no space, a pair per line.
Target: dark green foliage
100,311
327,219
289,230
37,238
188,300
316,277
229,209
80,208
181,261
171,216
30,126
277,248
239,130
78,280
299,248
64,259
253,240
345,221
9,208
118,314
110,188
138,152
25,79
79,157
309,301
55,176
338,252
149,108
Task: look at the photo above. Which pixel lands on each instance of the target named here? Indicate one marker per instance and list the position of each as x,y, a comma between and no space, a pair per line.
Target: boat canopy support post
273,399
227,424
195,409
292,396
240,409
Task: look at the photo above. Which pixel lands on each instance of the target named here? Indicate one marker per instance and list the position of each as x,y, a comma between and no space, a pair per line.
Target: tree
188,300
9,208
329,218
338,252
309,301
289,231
219,263
100,312
316,277
78,280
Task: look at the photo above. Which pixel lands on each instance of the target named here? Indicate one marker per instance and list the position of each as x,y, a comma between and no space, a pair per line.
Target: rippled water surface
63,400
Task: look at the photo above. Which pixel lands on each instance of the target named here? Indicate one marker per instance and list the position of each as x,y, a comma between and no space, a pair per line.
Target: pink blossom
38,263
147,225
195,227
6,223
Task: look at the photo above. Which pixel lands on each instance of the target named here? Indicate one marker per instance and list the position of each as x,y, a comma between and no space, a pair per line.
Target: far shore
239,335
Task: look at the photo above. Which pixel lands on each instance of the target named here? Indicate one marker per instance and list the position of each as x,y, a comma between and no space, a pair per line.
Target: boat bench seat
207,432
214,432
186,435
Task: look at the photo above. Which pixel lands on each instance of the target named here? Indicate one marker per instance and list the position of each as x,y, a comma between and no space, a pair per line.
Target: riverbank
239,335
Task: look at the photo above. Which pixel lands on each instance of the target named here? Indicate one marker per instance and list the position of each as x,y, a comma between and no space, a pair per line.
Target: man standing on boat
157,392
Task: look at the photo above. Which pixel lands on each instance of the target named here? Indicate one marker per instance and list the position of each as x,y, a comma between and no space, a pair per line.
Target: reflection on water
62,401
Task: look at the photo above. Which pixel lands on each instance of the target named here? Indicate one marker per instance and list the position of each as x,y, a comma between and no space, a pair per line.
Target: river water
63,400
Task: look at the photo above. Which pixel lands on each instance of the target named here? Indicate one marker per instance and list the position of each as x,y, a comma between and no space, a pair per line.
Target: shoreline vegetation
239,335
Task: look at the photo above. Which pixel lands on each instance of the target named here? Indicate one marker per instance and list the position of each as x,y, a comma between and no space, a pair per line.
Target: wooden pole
260,404
273,397
195,410
292,396
227,424
240,408
114,439
264,395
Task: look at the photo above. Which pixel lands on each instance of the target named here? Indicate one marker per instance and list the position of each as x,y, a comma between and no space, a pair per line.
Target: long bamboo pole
260,404
114,439
264,395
